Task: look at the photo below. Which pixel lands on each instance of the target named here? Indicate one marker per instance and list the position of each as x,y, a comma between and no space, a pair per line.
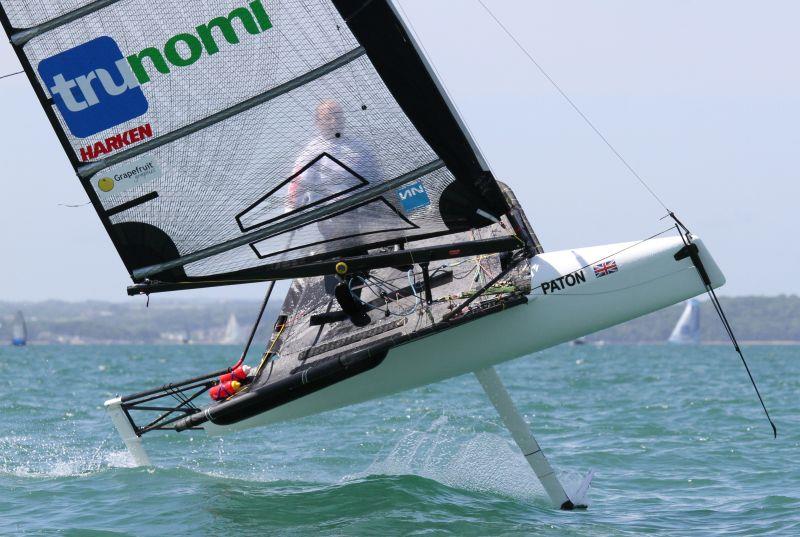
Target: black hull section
324,373
302,383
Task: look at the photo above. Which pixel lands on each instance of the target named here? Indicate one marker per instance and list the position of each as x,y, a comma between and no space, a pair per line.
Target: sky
702,98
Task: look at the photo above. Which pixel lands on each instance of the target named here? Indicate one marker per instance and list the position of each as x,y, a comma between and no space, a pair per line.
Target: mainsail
687,329
232,333
231,141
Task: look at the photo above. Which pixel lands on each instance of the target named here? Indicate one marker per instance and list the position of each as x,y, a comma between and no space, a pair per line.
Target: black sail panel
225,138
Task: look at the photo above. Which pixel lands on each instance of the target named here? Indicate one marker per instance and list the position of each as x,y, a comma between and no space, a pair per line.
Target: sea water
675,435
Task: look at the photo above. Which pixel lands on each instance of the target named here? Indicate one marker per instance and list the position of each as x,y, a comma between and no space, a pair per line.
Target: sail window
323,179
347,230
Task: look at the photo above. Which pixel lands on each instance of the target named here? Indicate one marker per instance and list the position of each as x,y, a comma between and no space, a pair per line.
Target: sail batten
23,36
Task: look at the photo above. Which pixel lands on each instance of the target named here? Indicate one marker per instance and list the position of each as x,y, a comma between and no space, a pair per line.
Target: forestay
220,140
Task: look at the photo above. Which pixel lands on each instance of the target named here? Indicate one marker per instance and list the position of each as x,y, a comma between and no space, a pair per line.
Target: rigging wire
575,107
267,354
412,281
255,324
709,288
722,317
11,74
694,254
385,289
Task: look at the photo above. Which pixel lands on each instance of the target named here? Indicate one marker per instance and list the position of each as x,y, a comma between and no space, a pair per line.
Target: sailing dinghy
687,329
19,331
229,142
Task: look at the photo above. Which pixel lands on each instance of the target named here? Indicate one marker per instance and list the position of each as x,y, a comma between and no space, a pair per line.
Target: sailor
326,178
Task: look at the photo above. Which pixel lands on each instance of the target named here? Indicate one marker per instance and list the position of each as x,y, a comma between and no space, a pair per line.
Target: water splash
26,456
465,459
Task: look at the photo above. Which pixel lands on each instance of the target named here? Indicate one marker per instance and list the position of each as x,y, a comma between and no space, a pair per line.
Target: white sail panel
228,136
251,161
19,330
175,64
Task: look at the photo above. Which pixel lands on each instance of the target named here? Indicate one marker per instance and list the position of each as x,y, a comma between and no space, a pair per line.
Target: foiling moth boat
239,141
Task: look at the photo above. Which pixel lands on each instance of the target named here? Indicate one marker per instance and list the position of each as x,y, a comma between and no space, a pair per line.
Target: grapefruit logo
106,184
117,180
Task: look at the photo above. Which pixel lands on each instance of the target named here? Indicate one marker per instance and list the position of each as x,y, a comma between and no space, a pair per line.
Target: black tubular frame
355,264
184,392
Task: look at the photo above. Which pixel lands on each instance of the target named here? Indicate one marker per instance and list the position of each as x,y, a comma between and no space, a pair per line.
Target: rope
11,74
575,107
269,350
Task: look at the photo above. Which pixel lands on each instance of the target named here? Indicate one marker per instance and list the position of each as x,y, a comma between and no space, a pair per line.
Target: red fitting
223,390
240,373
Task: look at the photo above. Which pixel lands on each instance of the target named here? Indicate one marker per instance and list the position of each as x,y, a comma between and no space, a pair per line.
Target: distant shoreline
757,321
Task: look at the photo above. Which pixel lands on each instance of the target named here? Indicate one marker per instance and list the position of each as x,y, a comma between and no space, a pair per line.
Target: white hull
648,279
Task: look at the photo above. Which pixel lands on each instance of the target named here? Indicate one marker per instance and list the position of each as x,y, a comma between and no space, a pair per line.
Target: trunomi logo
93,87
96,87
413,196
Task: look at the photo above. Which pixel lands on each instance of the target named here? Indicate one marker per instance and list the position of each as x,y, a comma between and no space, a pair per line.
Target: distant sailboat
232,331
687,330
19,332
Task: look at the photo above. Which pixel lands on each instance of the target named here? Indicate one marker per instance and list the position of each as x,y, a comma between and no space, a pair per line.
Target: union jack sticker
605,268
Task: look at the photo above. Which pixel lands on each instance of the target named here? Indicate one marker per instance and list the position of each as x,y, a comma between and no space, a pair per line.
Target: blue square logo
413,196
93,87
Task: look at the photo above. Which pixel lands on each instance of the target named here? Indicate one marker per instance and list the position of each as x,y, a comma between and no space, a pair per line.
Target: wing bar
290,223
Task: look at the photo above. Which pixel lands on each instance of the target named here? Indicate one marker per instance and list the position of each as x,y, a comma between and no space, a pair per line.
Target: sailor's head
330,119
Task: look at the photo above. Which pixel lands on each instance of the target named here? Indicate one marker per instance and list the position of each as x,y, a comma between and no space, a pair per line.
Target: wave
34,457
481,462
